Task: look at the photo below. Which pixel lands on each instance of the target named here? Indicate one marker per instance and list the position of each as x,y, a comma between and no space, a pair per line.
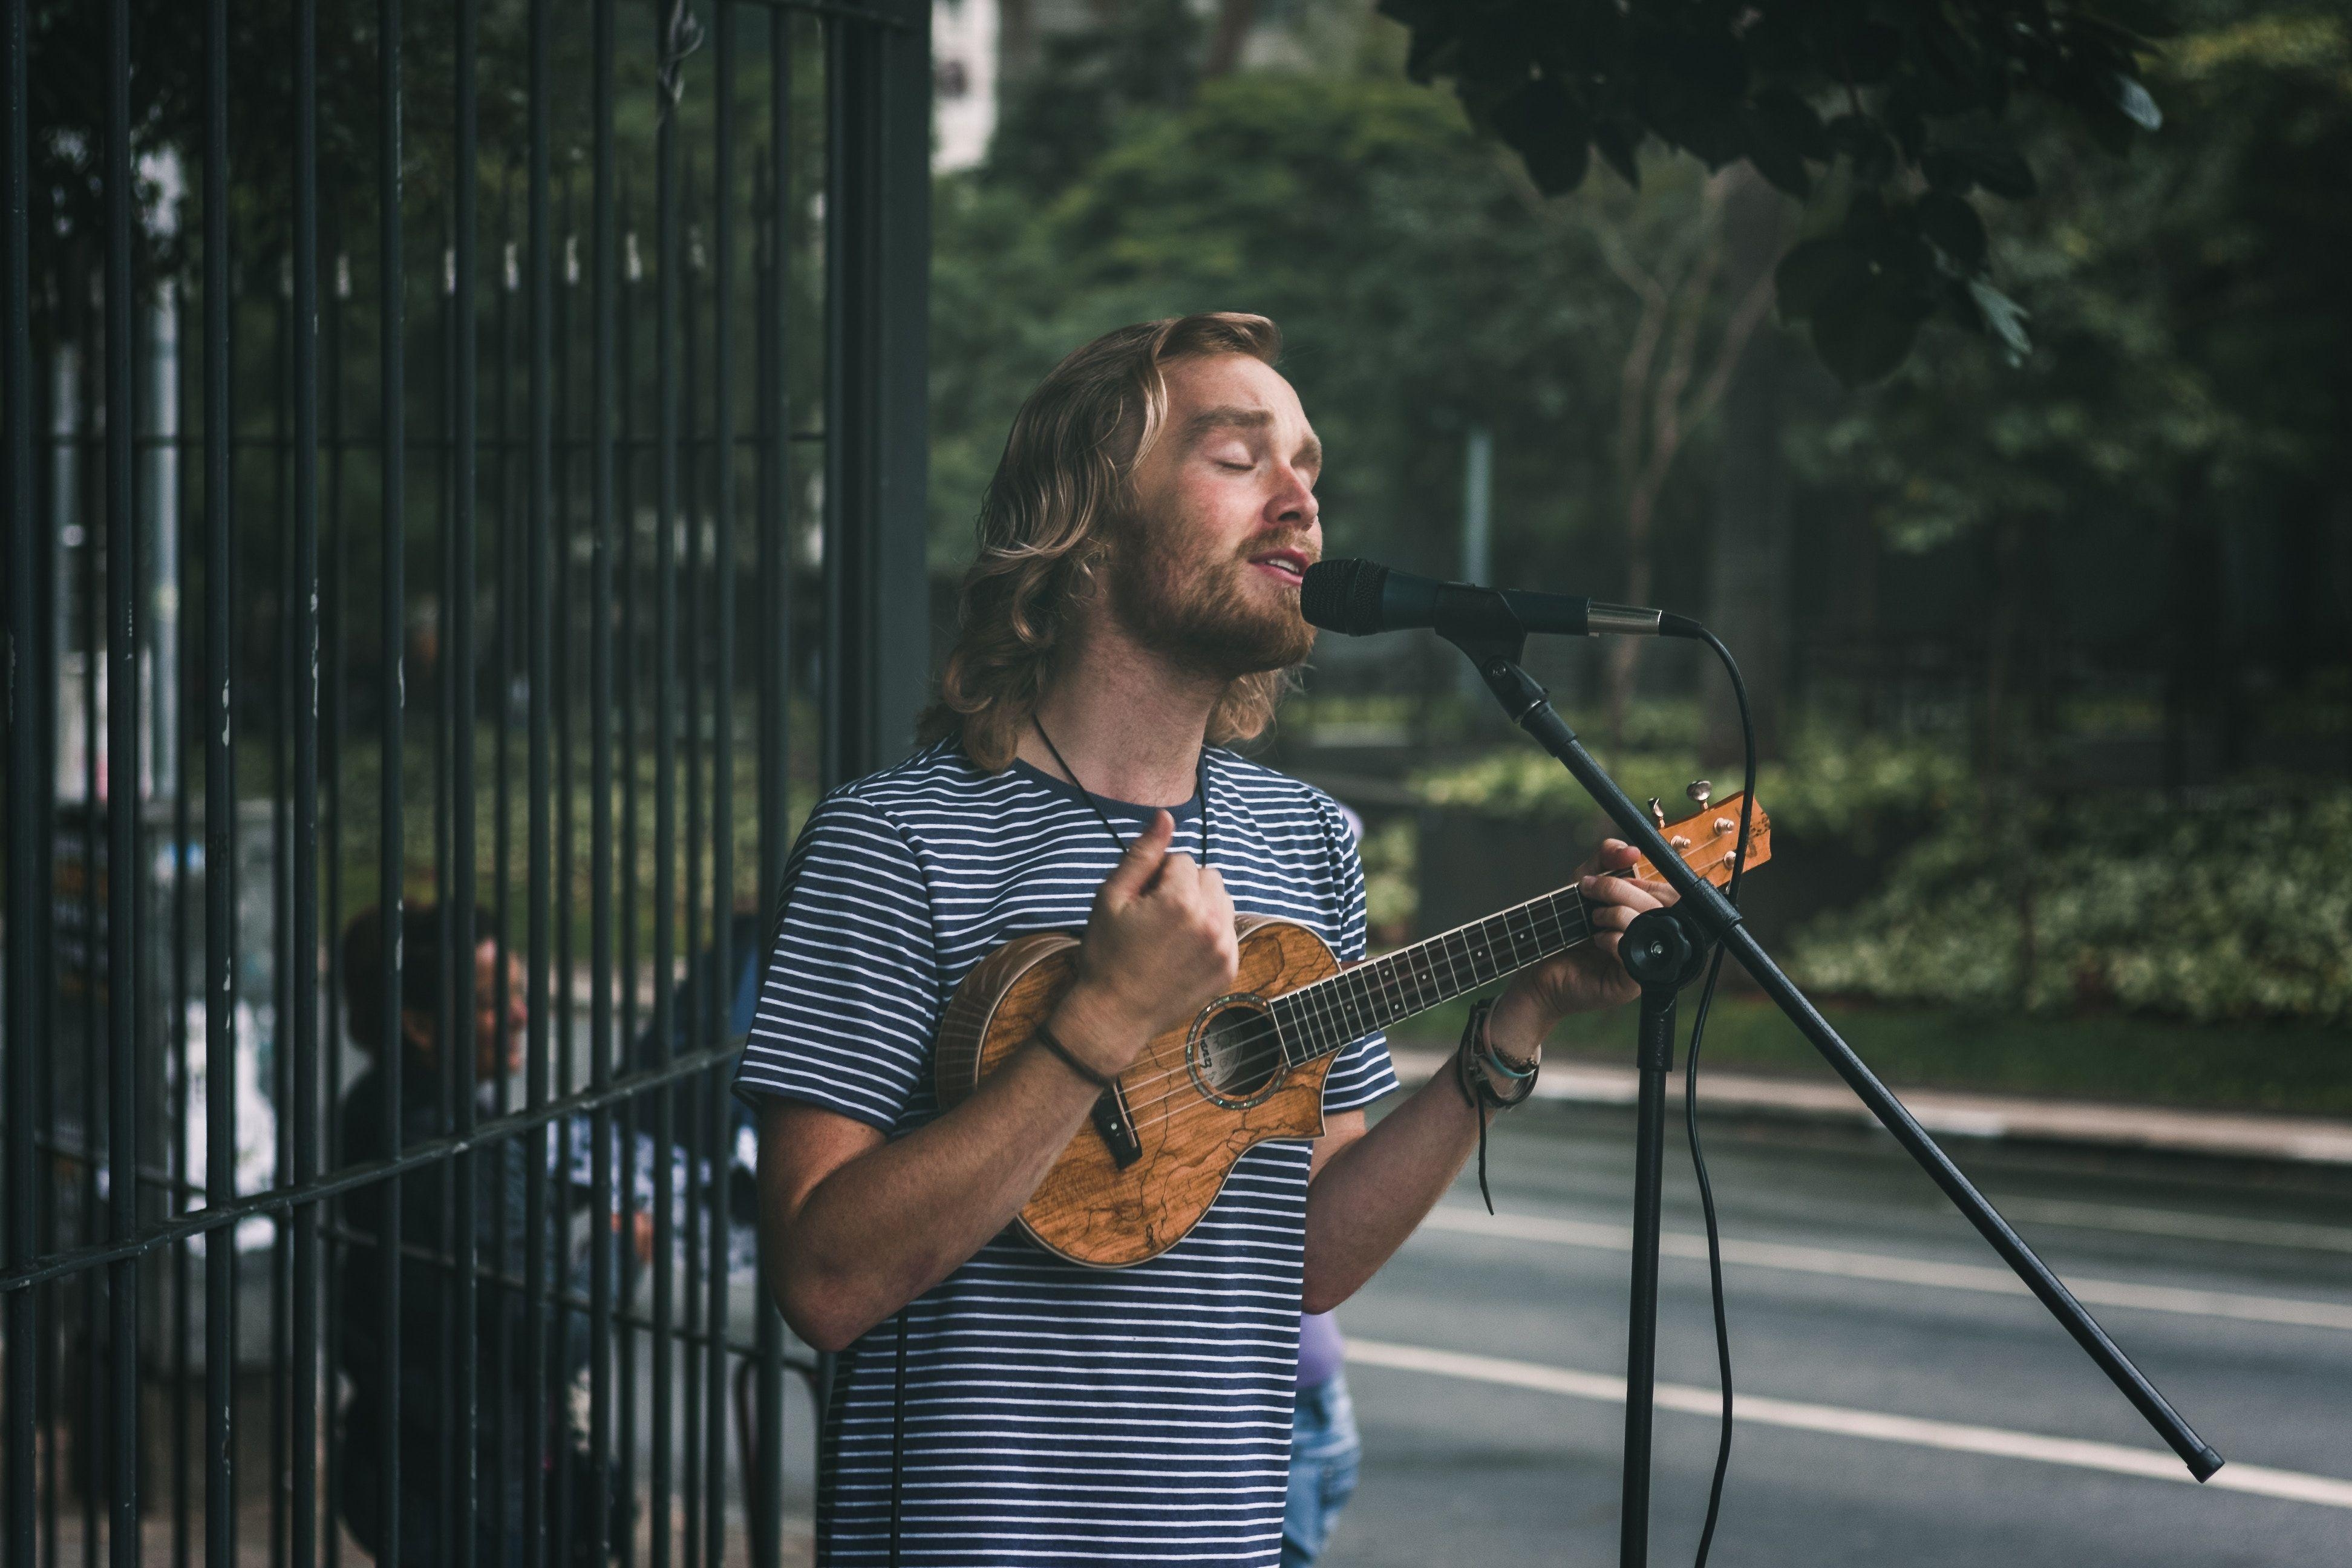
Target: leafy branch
1888,120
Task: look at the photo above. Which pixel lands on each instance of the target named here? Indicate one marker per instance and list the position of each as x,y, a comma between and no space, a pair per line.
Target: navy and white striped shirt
1054,1413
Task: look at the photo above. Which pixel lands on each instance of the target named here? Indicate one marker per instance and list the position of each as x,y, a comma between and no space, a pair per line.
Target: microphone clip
1481,624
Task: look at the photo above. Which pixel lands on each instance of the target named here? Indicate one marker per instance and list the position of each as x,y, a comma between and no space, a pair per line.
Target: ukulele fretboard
1334,1012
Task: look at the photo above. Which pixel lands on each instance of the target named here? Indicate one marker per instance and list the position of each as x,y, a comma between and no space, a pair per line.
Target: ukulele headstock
1708,838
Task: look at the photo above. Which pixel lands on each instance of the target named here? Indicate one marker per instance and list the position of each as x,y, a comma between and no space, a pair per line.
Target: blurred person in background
1324,1449
428,1446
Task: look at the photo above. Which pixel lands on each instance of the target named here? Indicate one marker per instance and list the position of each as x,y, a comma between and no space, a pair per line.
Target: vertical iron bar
38,946
29,780
560,696
835,702
42,945
38,943
536,569
602,264
281,1244
876,223
220,822
303,980
122,801
390,894
183,1259
459,896
664,715
632,841
334,636
454,1065
503,1410
775,692
716,1150
697,1000
86,1217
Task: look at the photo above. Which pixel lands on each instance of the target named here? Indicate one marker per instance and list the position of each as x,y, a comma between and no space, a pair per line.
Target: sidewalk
2245,1135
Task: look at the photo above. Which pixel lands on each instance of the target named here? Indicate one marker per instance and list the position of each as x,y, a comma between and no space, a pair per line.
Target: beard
1204,614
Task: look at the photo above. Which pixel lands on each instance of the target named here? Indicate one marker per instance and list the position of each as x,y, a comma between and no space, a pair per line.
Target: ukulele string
1334,1018
1333,1015
1331,1018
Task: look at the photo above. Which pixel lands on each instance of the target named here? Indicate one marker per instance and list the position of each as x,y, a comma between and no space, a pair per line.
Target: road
1908,1388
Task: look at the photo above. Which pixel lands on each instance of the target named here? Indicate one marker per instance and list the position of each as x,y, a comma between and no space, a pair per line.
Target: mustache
1301,542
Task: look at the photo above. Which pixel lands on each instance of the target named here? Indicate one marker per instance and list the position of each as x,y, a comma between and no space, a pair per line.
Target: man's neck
1128,723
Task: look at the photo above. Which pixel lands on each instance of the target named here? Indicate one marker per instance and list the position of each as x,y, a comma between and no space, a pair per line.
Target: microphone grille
1343,596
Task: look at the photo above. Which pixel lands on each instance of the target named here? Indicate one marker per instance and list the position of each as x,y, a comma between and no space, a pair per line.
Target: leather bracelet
1475,1054
1071,1060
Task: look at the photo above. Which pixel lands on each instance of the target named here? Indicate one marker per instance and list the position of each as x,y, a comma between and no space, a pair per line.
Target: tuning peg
1658,814
1700,792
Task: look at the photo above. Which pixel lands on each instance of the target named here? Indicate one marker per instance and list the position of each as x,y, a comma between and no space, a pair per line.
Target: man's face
497,1032
1207,572
497,1036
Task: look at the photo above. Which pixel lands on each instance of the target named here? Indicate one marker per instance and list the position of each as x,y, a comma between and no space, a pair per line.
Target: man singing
1133,611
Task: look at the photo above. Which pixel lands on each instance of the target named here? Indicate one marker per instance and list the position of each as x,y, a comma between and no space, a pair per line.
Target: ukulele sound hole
1236,1056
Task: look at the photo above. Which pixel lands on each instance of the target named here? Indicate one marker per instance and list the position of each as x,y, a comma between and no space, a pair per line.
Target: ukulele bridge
1234,1051
1116,1128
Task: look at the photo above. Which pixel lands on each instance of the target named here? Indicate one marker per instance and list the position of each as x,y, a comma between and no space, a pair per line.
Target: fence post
878,242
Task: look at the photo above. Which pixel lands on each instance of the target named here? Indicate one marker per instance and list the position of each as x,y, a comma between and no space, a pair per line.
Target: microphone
1361,598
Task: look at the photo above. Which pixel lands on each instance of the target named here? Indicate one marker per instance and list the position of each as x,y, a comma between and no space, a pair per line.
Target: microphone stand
1662,950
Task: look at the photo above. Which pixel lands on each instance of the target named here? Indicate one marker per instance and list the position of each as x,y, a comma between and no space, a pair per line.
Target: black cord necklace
1200,783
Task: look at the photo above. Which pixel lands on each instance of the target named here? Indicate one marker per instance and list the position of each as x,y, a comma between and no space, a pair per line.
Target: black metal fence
460,458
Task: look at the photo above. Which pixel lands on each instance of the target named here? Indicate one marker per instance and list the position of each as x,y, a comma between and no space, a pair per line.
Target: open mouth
1283,565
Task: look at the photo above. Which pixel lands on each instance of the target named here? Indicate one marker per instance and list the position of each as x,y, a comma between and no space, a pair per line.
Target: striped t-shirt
1053,1412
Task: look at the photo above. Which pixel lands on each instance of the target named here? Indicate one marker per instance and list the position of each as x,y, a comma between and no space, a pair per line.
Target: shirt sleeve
849,997
1362,1073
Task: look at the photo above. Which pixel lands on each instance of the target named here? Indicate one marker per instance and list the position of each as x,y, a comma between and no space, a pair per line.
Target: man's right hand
1160,946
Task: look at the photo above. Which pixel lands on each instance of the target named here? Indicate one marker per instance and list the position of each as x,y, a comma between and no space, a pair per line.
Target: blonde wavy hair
1063,487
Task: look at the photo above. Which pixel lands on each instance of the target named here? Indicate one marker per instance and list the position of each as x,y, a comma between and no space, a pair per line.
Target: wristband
1071,1060
1477,1055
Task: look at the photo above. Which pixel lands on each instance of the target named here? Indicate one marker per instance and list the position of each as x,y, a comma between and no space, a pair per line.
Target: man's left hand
1589,976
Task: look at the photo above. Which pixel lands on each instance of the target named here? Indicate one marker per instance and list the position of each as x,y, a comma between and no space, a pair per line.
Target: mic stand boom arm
1478,622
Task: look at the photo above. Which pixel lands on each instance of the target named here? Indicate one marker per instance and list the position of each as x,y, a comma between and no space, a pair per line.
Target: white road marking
2296,1486
1987,1277
2175,1221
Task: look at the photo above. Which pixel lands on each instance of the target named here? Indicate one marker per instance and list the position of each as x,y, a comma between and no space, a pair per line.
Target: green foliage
1417,288
1391,854
2186,305
1829,781
2234,905
1904,109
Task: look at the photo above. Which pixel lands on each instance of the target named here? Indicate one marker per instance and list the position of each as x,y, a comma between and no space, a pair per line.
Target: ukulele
1251,1064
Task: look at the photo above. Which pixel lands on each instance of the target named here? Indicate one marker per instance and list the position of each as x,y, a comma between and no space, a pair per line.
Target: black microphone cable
1690,1094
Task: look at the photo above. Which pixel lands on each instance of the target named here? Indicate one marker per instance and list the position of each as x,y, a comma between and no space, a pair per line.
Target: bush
2235,904
1832,780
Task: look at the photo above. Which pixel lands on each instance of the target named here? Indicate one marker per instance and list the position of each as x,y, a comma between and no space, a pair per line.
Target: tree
1903,107
1413,281
2190,387
1672,379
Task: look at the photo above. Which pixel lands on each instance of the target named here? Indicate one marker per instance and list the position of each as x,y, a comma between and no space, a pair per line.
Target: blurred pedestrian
424,1434
1324,1449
